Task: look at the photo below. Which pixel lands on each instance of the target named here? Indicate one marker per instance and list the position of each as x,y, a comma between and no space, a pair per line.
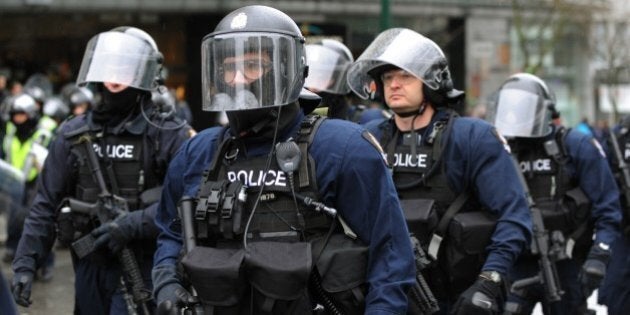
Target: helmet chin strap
419,112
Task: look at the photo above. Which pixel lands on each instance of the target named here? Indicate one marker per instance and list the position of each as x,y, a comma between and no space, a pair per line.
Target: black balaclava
25,130
261,122
115,107
337,105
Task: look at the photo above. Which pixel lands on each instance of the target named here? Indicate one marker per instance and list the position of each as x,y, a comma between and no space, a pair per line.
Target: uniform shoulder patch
372,140
501,139
597,145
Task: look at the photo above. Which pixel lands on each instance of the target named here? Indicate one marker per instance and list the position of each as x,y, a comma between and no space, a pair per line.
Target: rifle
548,275
624,180
421,299
106,209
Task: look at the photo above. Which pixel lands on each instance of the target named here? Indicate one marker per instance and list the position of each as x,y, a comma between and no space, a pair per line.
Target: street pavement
55,297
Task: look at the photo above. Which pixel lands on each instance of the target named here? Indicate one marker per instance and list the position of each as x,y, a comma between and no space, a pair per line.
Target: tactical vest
129,169
434,212
563,204
276,215
122,161
285,238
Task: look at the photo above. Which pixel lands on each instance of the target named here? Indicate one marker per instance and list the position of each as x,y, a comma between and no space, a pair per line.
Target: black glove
117,233
22,284
172,298
483,297
594,268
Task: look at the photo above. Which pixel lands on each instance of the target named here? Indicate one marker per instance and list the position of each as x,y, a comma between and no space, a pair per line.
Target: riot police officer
571,182
57,109
81,100
456,181
614,291
99,166
328,63
284,183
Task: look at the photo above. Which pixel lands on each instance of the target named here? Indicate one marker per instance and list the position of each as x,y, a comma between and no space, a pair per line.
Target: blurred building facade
485,40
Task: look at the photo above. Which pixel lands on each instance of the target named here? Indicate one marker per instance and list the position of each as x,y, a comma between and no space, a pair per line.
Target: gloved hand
172,298
594,268
117,233
483,297
22,284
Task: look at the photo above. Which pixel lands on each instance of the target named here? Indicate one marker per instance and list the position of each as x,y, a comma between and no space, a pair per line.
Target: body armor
286,239
434,211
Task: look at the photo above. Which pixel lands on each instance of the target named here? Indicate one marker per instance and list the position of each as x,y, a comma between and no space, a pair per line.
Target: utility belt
457,241
280,277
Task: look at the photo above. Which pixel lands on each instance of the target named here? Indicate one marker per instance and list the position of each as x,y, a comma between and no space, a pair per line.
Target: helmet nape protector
120,58
246,70
402,48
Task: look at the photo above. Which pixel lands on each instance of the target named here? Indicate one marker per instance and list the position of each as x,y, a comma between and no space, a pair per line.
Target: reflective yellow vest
17,152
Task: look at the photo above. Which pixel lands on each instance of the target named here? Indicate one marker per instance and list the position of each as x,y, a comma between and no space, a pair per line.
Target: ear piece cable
288,156
262,186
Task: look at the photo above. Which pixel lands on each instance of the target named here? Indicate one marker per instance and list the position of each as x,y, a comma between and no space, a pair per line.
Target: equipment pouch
343,268
279,272
65,228
469,233
554,215
578,205
216,274
421,217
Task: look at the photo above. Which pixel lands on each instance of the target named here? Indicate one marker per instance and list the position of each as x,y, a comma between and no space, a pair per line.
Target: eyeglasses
401,76
251,69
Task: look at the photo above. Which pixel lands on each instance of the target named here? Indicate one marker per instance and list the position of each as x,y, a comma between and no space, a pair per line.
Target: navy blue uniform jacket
589,166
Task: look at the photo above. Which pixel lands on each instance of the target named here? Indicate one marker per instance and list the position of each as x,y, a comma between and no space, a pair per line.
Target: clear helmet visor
251,70
519,113
402,48
120,58
326,70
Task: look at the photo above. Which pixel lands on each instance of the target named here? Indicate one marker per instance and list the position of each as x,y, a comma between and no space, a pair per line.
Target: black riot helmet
254,59
328,63
56,108
401,48
124,55
37,93
522,107
79,96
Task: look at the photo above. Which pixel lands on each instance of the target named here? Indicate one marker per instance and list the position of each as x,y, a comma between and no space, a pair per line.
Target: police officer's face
114,87
245,69
80,109
402,90
19,118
